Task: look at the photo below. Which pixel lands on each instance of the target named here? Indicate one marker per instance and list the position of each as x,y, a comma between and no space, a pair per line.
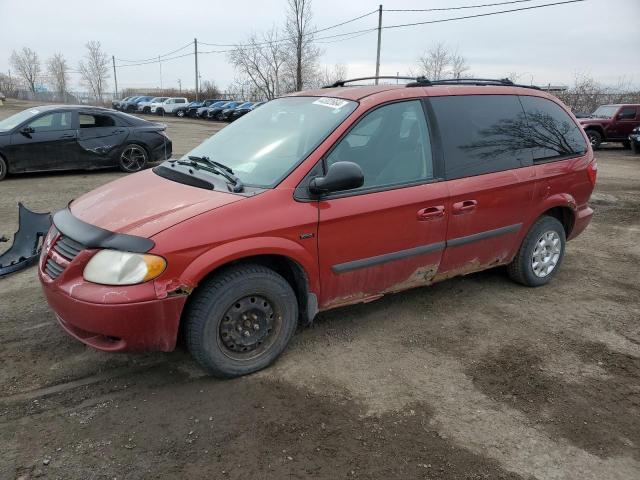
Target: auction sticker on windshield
331,102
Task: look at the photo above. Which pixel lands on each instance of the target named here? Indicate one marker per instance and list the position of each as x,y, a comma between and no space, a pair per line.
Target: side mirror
27,130
340,176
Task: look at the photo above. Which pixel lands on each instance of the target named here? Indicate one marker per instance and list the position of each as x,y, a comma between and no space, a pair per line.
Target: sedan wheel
3,168
133,158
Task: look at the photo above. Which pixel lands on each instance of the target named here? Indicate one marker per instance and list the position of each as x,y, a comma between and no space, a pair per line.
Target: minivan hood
144,204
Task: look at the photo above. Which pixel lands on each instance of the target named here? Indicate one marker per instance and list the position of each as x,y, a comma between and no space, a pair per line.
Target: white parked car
170,105
145,107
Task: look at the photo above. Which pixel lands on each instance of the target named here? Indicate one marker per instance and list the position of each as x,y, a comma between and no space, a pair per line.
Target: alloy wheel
546,253
133,158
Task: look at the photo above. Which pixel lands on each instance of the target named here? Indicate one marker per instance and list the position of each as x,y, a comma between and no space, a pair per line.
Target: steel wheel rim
546,254
133,158
249,327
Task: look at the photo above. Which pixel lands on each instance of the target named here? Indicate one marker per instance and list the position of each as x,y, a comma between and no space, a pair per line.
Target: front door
45,143
627,119
389,234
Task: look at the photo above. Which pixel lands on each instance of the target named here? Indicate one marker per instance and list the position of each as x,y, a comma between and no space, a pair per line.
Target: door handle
465,206
117,131
431,213
68,135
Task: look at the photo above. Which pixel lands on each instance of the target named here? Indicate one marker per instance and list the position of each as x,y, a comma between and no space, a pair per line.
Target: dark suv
319,200
611,123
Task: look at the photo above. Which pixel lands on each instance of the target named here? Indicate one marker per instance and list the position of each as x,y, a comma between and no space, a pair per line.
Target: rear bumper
582,219
138,326
162,151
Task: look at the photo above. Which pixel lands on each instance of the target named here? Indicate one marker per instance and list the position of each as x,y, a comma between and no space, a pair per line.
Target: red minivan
314,201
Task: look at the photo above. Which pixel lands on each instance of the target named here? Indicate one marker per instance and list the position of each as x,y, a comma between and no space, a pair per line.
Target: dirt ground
473,378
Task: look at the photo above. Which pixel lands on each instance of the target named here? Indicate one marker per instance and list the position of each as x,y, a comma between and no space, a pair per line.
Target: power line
356,33
156,56
236,45
452,8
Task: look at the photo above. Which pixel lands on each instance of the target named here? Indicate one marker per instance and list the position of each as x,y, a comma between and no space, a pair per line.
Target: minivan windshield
262,148
605,111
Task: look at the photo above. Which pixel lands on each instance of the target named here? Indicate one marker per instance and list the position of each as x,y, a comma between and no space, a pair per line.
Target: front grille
67,249
53,269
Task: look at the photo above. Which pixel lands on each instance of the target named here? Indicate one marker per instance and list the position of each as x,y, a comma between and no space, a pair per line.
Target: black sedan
242,111
67,137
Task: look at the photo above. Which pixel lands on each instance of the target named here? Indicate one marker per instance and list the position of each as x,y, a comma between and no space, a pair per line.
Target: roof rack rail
425,82
340,83
422,82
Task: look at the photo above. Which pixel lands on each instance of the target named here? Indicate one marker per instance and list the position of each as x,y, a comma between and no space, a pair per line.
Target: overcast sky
547,45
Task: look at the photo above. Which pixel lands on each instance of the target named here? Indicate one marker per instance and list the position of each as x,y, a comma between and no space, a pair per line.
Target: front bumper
109,318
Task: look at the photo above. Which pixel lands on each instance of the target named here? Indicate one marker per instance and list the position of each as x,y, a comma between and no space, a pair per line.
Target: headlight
112,267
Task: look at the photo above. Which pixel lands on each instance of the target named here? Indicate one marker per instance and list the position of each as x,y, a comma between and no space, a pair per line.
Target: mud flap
24,252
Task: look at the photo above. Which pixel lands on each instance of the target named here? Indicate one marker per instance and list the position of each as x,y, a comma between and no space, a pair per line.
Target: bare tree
27,65
331,75
58,71
439,62
209,89
304,54
458,65
94,69
8,84
261,60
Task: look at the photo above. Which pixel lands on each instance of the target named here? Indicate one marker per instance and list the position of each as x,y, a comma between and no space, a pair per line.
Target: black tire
626,144
180,113
160,111
221,305
3,168
133,158
595,137
521,269
635,147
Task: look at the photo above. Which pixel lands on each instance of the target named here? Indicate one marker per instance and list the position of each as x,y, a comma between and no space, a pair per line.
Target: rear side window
550,131
96,121
481,134
52,122
627,113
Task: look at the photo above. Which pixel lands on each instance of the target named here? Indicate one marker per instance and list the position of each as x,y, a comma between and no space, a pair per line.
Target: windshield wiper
205,163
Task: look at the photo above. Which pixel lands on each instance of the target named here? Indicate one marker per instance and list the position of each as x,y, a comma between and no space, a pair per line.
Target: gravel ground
473,378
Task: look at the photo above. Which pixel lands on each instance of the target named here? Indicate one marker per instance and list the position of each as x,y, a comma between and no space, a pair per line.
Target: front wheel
133,158
180,113
540,254
595,138
3,168
240,320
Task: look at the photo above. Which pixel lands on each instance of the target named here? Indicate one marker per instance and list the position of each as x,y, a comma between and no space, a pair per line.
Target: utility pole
195,45
379,40
115,77
160,62
180,85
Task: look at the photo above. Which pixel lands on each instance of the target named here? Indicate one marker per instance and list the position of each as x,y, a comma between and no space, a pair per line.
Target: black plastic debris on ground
27,241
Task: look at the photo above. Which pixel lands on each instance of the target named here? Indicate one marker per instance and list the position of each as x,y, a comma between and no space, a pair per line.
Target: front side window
605,111
262,148
550,131
390,144
482,134
52,122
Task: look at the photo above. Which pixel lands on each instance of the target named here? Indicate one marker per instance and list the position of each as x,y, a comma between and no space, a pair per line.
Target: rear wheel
595,138
240,320
540,254
3,168
180,113
626,144
133,158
